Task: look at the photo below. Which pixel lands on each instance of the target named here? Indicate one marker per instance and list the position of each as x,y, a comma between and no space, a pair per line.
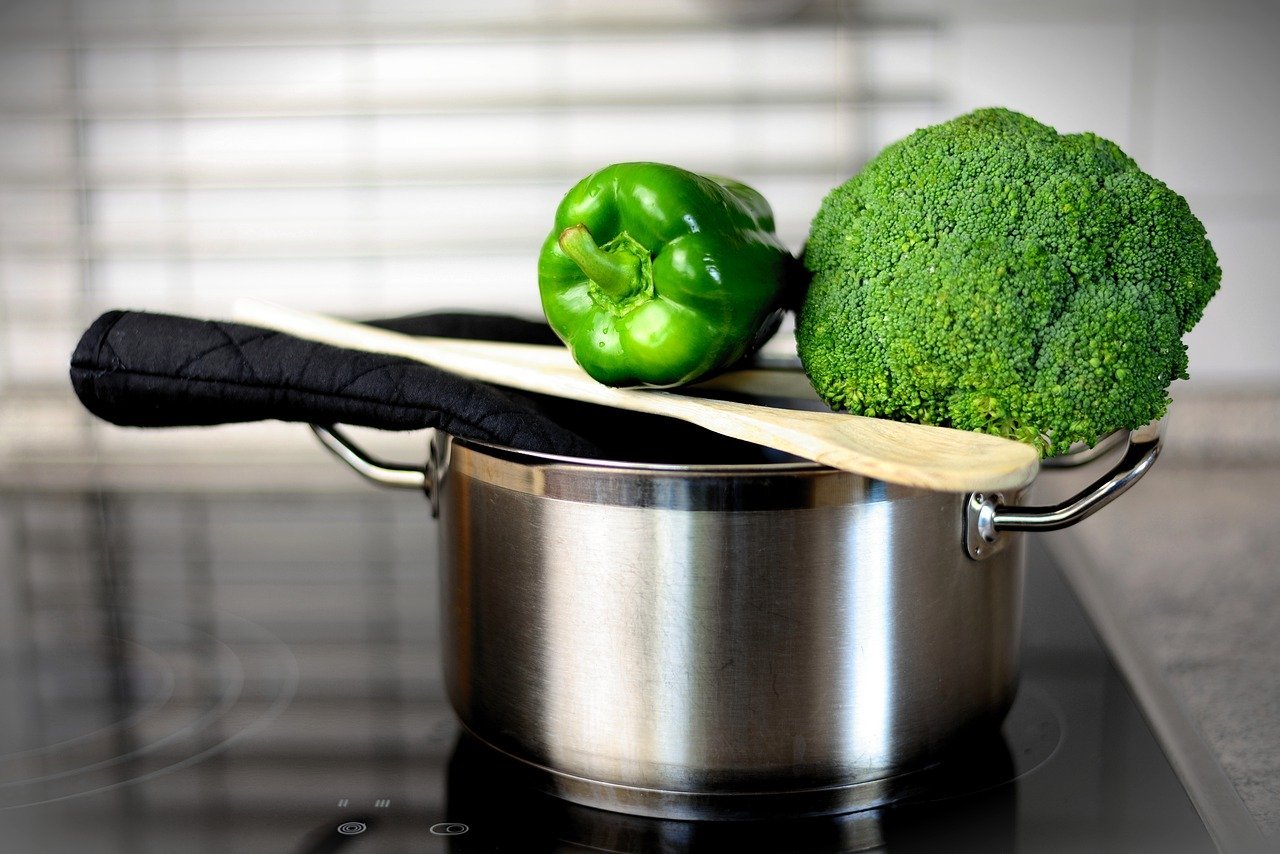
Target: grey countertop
1190,559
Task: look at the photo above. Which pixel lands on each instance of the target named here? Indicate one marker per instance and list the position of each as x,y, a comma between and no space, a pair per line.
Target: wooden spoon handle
910,454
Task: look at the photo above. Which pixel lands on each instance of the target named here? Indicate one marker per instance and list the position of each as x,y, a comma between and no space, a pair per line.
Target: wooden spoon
910,454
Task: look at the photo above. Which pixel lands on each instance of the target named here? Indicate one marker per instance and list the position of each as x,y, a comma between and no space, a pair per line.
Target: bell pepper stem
621,272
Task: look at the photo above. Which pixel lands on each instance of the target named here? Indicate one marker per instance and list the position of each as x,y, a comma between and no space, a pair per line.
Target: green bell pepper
657,276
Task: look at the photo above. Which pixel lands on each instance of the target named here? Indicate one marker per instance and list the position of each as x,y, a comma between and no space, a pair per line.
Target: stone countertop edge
1228,819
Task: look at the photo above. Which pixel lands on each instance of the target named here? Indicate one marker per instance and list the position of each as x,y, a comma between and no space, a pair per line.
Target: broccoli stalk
990,274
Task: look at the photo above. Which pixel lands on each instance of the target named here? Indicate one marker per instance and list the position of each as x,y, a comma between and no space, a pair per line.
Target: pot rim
1078,454
519,455
986,516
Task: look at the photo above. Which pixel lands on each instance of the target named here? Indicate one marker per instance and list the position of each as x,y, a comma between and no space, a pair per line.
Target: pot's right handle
987,518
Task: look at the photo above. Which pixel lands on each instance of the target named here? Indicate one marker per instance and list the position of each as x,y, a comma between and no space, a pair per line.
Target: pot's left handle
400,476
988,518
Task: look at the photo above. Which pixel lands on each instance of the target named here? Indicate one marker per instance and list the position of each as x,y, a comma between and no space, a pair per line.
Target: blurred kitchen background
379,157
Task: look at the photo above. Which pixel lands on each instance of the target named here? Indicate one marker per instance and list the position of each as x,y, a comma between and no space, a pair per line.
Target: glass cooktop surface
225,672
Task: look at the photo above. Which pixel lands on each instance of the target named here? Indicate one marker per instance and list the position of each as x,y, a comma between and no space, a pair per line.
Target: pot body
699,642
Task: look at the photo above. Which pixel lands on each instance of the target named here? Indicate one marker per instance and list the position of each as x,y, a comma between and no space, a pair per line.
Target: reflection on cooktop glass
225,672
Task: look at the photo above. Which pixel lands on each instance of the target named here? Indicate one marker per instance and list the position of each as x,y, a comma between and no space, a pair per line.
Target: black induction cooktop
189,672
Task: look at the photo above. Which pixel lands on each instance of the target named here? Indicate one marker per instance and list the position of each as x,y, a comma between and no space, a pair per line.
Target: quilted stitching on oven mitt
141,369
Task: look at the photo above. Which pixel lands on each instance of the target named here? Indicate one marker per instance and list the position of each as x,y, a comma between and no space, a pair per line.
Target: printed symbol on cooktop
343,802
449,828
352,828
176,695
382,803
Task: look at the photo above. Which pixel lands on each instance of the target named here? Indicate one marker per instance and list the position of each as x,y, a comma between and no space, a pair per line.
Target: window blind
383,156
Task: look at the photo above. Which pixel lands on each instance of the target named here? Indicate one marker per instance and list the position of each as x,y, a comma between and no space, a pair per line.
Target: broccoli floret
990,274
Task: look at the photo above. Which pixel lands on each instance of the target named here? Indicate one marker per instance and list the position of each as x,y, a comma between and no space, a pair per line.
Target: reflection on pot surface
967,798
648,633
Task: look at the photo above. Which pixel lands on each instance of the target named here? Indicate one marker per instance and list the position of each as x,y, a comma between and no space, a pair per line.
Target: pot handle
987,517
397,475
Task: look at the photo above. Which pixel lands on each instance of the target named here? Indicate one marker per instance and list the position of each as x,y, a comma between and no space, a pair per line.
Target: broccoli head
990,274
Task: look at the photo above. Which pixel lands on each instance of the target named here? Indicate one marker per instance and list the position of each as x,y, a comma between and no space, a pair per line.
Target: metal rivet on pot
981,538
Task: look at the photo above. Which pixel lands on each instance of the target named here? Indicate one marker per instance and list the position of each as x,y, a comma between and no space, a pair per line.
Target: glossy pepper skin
656,276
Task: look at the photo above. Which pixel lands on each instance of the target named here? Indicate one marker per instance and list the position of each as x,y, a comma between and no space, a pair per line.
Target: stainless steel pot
724,641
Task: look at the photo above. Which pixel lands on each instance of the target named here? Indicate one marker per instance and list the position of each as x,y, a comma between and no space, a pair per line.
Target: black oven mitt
140,369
